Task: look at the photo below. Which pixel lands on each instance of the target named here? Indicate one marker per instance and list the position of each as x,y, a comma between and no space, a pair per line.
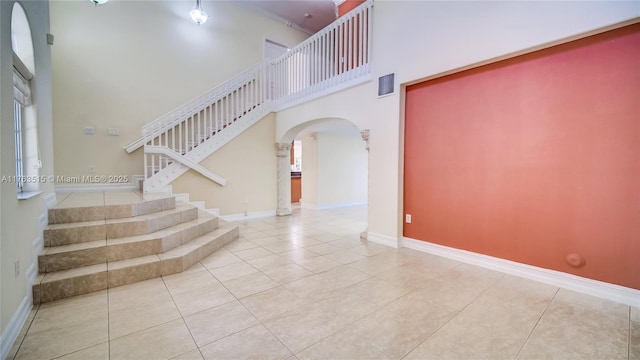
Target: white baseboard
340,205
213,211
11,332
184,197
50,200
95,187
382,239
249,215
592,287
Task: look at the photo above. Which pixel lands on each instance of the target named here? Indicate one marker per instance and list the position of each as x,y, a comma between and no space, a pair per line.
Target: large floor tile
233,271
67,326
466,334
272,303
132,319
161,342
216,323
253,343
344,344
287,273
580,326
220,258
202,298
97,352
249,285
634,340
378,291
190,355
302,327
397,328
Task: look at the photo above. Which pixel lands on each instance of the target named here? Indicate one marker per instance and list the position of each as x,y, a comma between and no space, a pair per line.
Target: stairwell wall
123,64
248,163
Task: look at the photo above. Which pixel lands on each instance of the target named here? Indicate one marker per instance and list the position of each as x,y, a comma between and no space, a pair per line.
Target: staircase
92,248
331,60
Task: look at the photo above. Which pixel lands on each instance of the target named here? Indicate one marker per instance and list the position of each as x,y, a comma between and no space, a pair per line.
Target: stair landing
101,240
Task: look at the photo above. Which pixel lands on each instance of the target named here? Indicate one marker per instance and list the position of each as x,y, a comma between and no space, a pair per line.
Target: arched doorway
334,165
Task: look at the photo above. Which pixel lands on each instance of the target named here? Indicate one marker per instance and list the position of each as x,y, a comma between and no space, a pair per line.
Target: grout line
26,332
456,314
108,317
536,324
629,337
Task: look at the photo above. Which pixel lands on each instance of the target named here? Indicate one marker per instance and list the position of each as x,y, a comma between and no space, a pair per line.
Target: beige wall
19,223
334,169
248,163
342,169
309,170
125,63
422,39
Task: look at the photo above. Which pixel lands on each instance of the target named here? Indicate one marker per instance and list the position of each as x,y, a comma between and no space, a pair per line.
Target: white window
21,100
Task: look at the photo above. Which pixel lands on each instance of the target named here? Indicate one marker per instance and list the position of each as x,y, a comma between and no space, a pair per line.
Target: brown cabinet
296,188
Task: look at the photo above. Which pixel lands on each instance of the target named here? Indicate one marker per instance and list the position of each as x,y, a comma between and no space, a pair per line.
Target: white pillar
283,152
365,138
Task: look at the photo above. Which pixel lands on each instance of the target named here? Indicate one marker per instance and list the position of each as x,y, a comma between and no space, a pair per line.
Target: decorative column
365,138
284,179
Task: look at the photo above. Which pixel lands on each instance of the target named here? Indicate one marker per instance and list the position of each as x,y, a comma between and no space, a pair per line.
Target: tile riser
86,233
80,285
133,250
131,274
72,259
75,235
109,212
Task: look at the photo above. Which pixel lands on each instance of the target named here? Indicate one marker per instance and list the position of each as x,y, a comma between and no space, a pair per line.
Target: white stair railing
334,58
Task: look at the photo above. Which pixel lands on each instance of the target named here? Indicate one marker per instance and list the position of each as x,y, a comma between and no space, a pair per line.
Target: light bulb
198,15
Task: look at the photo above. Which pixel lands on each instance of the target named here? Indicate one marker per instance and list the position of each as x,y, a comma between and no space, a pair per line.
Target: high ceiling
307,15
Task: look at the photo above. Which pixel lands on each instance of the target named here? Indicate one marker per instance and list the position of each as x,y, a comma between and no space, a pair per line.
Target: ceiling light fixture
98,2
198,15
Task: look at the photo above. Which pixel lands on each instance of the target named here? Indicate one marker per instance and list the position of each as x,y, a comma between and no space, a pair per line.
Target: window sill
28,195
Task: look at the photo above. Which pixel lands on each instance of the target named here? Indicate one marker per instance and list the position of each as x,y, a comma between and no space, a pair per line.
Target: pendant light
198,15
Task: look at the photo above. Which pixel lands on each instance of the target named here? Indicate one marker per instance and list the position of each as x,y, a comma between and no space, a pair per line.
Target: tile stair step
71,233
71,256
110,211
184,256
65,257
66,283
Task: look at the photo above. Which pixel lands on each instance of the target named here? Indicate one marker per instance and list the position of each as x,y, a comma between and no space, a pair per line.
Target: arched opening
25,122
334,166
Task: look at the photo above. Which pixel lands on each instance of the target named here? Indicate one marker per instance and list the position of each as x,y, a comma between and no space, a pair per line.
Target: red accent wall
347,6
532,158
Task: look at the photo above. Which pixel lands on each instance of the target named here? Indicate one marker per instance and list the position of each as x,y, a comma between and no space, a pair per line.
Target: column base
283,212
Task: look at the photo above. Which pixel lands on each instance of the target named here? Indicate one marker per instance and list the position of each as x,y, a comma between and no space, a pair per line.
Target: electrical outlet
88,130
16,269
92,168
407,218
114,132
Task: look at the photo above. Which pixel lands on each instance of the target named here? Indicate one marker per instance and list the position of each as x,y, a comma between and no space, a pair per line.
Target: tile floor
307,287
